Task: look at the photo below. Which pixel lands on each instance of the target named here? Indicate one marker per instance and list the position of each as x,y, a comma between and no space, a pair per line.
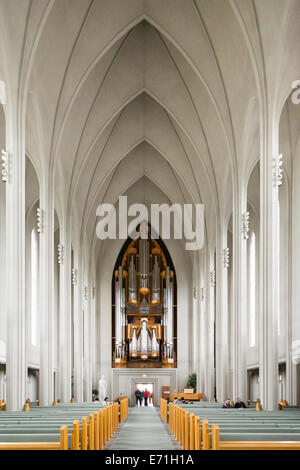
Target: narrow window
34,286
252,291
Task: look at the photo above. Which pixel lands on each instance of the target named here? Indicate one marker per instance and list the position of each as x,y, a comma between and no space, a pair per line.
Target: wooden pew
250,445
94,434
61,445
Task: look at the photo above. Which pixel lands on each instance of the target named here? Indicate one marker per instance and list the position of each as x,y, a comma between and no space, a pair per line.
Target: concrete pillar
87,377
201,325
194,331
269,269
65,372
239,320
46,295
209,329
222,361
14,299
78,330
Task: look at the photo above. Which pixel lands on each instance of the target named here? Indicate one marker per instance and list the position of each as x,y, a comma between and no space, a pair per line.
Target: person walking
138,397
146,397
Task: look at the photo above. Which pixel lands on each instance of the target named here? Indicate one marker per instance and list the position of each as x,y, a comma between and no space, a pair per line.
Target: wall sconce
4,165
226,258
60,253
202,294
85,292
74,276
212,277
245,225
277,170
40,221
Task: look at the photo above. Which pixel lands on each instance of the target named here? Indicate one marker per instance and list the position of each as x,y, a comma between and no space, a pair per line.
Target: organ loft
144,320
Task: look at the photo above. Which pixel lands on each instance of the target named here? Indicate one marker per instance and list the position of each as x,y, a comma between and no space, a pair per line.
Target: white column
46,295
201,326
78,329
239,331
289,331
269,270
209,329
221,318
194,328
14,299
87,377
65,373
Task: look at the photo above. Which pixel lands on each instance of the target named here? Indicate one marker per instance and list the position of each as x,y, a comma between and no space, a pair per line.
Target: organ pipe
155,294
120,308
144,265
144,317
132,292
168,309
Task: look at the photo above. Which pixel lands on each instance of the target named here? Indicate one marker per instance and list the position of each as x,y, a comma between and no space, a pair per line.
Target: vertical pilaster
201,325
65,372
209,327
195,326
78,328
15,269
269,268
46,295
87,378
239,332
221,318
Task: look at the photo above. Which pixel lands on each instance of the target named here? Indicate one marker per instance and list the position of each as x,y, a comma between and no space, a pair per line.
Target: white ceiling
164,91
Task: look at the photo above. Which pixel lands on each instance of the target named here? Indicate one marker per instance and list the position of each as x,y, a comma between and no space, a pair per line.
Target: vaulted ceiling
123,94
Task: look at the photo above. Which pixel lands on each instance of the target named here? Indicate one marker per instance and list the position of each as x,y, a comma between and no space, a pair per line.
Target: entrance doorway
253,384
150,388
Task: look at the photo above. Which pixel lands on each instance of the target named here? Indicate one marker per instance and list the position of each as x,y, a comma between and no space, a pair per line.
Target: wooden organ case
144,320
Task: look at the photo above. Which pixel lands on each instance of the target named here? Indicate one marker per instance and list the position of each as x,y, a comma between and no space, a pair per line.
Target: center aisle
143,430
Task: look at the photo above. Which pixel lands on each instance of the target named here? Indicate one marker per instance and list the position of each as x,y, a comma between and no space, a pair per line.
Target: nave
177,103
198,426
143,430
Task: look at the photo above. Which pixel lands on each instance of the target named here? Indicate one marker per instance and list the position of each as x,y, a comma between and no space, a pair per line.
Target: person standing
146,396
138,397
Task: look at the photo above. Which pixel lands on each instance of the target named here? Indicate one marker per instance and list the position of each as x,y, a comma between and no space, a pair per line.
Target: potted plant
192,382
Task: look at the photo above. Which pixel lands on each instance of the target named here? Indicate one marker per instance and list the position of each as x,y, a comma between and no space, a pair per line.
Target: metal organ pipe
144,339
165,322
120,309
132,293
155,294
168,309
123,321
144,265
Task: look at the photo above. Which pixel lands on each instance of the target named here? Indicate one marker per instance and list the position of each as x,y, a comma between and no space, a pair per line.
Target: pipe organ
144,307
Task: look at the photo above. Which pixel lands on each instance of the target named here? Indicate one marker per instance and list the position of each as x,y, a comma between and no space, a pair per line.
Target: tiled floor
143,430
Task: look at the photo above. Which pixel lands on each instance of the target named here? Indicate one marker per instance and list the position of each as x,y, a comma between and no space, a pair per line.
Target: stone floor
143,430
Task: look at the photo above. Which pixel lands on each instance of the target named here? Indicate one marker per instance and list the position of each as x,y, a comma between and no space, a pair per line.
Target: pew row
237,430
62,444
90,426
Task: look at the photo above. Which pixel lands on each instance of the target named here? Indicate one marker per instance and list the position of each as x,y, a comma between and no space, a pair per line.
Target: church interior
164,102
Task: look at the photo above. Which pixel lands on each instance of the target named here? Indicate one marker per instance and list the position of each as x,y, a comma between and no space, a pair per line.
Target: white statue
102,388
